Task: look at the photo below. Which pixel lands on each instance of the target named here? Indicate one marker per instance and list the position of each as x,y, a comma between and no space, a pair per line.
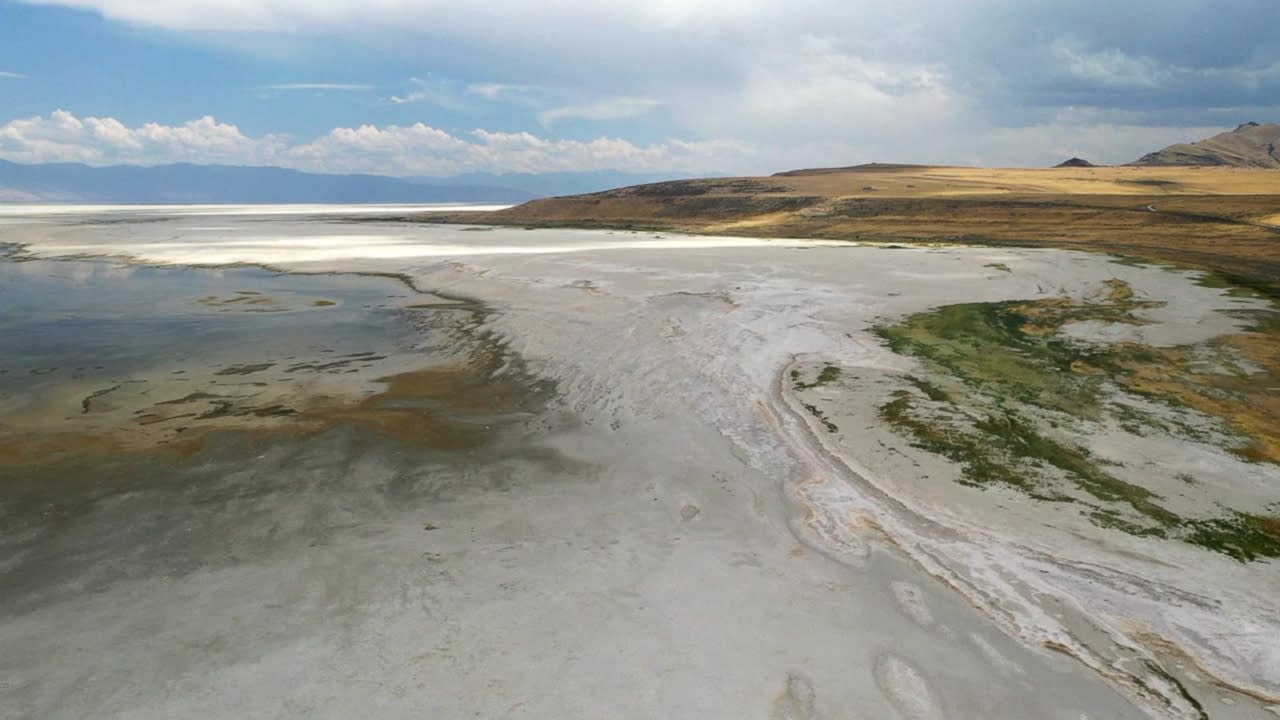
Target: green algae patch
1006,448
822,418
1243,536
1004,388
1014,347
828,375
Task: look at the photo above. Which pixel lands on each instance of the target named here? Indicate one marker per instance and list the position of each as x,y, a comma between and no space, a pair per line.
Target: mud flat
702,519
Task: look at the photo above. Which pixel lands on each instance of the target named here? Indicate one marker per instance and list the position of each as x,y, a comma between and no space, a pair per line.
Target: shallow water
103,319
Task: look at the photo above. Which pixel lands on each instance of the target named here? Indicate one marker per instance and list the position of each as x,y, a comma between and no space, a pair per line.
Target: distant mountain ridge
1250,145
187,183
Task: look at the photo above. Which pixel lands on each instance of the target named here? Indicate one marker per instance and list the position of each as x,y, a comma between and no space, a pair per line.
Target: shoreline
1151,682
698,311
874,515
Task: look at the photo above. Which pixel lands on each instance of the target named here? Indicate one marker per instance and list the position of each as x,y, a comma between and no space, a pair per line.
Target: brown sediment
433,306
57,448
247,301
146,418
86,404
1247,400
189,398
334,364
256,301
1172,654
245,369
448,408
1115,304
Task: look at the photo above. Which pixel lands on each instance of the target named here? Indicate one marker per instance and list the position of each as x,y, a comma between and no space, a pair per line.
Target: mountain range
1250,145
187,183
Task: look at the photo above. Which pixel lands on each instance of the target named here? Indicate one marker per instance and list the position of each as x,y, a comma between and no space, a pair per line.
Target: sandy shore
676,536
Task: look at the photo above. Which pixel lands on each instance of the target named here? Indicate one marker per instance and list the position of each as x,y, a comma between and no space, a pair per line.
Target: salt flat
673,535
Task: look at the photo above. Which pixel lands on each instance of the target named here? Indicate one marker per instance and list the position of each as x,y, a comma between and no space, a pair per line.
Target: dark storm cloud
1170,61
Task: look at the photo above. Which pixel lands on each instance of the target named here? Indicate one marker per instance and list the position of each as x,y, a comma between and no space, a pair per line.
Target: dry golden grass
913,181
1249,403
1217,217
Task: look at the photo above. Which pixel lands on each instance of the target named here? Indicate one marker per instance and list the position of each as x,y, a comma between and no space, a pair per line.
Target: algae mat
1005,388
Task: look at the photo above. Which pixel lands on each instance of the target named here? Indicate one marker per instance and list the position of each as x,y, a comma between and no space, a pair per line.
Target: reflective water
84,319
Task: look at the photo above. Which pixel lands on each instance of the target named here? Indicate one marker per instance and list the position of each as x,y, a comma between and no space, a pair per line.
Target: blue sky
438,87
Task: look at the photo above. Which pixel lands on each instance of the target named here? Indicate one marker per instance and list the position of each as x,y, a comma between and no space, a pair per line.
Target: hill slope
1221,217
1249,145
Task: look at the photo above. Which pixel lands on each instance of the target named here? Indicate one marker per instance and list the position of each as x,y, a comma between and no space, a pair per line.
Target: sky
444,87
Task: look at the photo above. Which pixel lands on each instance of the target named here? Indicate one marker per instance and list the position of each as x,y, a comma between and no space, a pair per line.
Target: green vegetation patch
1003,378
1013,347
822,418
829,374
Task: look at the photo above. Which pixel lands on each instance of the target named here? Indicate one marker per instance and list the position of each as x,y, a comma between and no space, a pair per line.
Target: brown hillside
1220,217
1249,145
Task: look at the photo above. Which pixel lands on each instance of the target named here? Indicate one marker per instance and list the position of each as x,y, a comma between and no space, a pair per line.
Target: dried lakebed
741,478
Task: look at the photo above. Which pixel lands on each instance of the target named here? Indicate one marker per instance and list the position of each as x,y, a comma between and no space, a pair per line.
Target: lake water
103,319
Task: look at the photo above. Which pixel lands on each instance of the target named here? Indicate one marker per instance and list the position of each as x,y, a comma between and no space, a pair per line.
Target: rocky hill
1249,145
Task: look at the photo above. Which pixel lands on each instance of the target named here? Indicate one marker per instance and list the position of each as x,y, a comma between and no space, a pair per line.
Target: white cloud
11,75
419,149
416,149
422,150
497,91
64,137
289,15
803,81
810,76
1108,67
818,104
438,93
605,109
319,86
